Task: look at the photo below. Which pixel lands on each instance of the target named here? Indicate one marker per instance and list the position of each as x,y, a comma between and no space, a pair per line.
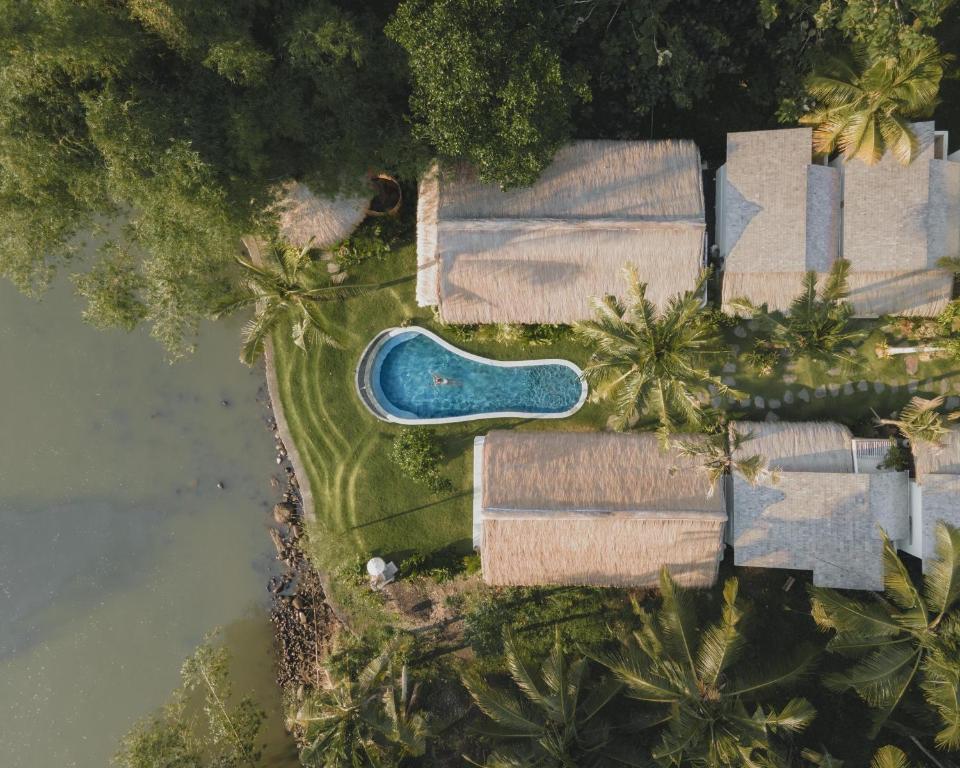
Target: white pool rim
367,393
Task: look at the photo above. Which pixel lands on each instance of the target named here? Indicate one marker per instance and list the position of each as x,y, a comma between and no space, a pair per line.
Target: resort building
824,511
539,254
592,508
935,494
781,212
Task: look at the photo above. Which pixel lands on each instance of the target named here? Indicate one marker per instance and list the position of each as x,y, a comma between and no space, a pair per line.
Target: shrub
414,564
416,452
471,564
897,458
762,358
375,240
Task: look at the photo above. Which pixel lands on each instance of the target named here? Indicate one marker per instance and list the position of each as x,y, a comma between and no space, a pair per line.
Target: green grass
855,410
365,506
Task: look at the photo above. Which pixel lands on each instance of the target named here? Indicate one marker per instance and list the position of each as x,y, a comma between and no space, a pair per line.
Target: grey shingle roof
819,516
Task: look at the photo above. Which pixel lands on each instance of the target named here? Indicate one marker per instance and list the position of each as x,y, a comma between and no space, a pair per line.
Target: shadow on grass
411,510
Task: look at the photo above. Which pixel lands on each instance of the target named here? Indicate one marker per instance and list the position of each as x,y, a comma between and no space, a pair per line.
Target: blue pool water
403,382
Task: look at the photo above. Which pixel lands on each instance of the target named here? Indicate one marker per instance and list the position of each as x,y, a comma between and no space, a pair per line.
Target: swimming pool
412,376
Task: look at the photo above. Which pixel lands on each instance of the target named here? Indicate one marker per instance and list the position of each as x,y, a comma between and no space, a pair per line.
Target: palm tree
371,721
920,422
885,757
287,288
650,360
555,721
864,105
693,679
901,633
715,453
818,323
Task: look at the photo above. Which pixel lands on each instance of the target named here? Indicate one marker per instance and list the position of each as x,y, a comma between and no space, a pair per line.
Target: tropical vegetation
653,360
203,725
713,706
864,105
817,325
718,454
551,717
905,634
920,421
367,720
285,290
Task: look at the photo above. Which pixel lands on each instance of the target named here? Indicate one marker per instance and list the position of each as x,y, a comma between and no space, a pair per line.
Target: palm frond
942,579
889,757
721,644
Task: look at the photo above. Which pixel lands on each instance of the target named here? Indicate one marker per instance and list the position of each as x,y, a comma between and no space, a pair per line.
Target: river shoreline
303,618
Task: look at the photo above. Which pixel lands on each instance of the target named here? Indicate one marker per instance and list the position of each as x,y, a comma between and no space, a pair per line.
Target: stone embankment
302,619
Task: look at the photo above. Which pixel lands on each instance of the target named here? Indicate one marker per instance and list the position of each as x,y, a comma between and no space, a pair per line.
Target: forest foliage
179,117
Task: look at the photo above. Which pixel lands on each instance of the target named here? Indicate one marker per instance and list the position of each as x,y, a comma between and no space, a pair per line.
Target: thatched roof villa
538,254
937,493
823,513
781,212
305,217
592,508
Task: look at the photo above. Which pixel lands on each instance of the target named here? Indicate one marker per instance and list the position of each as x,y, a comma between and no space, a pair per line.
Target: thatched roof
304,215
819,516
540,253
780,215
595,508
943,459
801,446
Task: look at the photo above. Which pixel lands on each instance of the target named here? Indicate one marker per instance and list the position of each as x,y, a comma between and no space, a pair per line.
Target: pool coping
365,389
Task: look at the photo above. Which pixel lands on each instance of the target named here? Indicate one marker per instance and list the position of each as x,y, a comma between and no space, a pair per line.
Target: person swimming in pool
441,381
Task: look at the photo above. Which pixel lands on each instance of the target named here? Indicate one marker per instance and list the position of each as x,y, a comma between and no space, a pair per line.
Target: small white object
376,567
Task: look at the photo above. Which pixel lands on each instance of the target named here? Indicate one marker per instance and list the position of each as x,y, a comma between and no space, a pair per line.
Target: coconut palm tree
885,757
864,105
367,722
818,324
653,361
900,634
553,720
287,289
920,422
715,454
697,680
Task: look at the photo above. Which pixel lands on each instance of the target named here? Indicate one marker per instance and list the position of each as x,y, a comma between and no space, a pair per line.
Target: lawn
366,507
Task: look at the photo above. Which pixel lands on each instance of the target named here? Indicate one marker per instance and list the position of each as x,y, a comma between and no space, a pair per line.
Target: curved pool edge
364,385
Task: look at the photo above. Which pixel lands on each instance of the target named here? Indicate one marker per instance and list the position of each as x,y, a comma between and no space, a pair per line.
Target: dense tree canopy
182,115
489,84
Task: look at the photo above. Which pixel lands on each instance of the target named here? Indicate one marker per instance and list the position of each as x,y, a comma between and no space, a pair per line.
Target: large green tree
287,289
488,82
818,324
180,116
